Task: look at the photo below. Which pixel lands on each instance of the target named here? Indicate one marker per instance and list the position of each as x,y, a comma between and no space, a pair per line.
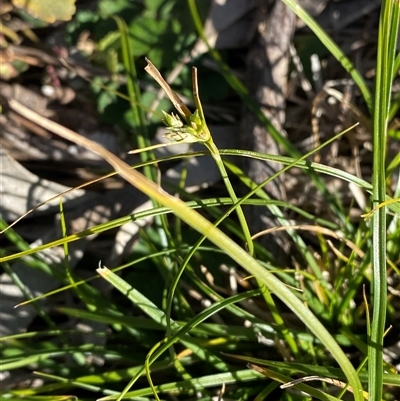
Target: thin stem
239,211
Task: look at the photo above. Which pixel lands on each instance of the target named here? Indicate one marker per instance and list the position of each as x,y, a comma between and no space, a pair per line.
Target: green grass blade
139,119
199,383
388,28
140,128
334,49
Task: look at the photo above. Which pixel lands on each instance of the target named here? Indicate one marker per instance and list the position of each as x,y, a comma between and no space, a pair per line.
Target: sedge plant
200,339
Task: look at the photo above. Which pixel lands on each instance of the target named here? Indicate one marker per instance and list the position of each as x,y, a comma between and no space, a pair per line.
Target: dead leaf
48,10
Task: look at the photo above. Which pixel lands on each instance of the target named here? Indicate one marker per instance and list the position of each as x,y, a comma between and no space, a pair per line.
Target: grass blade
388,28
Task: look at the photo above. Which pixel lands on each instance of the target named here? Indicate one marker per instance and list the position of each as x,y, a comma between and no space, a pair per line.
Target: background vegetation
185,303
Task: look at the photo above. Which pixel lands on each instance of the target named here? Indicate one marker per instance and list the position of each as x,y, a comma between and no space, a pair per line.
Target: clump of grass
200,330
